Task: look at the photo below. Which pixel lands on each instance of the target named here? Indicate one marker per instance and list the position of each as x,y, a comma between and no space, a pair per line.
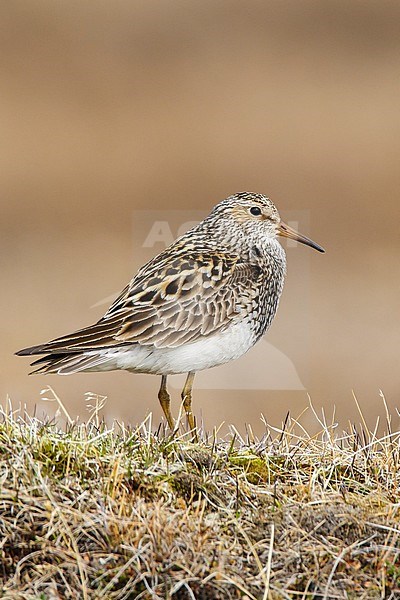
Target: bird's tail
66,364
79,351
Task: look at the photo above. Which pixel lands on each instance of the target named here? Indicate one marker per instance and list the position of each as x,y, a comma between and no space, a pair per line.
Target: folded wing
173,300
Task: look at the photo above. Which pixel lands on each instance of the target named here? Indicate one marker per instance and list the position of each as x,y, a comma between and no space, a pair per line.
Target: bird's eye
255,211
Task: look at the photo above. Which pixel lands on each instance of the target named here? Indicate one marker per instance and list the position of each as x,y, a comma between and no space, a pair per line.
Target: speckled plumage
204,300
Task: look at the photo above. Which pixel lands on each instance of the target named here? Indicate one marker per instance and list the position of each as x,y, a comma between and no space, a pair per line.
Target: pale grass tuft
91,511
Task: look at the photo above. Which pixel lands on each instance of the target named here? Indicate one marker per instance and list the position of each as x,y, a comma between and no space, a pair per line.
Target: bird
203,301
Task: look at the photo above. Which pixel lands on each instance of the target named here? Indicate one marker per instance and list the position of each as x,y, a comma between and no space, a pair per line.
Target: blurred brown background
108,108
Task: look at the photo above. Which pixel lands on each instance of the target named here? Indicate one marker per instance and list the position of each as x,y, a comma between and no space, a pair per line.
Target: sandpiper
205,300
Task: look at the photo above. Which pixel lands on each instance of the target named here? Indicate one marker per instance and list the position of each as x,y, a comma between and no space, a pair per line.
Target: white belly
205,353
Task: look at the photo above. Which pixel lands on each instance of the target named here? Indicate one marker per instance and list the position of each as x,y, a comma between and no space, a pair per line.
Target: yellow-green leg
187,400
165,401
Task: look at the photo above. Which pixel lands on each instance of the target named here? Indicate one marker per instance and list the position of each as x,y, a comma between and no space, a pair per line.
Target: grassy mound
89,511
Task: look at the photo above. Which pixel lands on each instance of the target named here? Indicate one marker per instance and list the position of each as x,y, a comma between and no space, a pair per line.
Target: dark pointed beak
286,231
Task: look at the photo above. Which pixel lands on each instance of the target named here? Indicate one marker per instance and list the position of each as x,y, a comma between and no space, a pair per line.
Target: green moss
255,469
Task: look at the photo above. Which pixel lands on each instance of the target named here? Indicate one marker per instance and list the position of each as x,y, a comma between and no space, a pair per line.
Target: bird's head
255,215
